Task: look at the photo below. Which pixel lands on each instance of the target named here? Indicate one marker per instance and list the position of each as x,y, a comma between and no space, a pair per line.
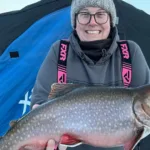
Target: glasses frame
91,17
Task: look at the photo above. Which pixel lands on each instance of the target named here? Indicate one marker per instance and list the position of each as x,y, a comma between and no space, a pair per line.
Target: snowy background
6,5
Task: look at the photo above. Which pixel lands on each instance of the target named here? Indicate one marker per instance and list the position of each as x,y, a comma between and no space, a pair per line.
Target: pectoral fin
13,122
69,140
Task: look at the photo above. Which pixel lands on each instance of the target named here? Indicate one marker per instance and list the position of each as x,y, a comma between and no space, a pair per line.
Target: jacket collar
76,47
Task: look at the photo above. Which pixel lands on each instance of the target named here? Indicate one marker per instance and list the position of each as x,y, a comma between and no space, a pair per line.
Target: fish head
142,108
144,95
146,105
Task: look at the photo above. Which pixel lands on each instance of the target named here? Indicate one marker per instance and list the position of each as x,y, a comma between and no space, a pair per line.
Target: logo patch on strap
125,51
127,74
63,52
62,75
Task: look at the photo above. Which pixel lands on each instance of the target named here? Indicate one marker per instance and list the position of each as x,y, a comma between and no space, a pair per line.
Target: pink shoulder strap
126,62
62,61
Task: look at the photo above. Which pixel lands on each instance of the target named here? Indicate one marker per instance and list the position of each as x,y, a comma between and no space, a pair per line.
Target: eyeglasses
84,18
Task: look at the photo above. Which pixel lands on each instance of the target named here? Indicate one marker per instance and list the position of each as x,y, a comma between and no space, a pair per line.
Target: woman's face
94,29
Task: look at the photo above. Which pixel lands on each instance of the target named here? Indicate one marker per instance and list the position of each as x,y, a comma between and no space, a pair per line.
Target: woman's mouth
93,31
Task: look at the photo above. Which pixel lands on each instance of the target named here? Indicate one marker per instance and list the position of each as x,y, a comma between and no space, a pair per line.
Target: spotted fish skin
95,115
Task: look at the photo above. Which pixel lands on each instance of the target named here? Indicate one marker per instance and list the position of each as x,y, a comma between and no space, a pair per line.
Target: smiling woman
92,24
92,55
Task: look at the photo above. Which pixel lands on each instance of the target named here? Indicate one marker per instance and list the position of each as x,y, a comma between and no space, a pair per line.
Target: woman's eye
84,15
100,15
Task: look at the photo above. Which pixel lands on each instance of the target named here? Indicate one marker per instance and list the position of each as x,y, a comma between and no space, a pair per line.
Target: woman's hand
35,105
51,145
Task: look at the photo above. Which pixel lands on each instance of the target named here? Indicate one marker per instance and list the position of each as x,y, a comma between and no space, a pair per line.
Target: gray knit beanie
107,5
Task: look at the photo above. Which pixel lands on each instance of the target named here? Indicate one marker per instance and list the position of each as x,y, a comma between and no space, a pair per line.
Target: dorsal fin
13,122
59,89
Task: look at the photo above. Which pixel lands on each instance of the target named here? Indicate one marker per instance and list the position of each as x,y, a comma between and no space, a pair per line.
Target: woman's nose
93,21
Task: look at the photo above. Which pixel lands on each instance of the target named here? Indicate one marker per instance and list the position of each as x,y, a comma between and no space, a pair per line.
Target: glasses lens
83,18
101,18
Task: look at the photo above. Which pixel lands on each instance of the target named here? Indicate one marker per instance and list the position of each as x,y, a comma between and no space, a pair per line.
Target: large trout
75,114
